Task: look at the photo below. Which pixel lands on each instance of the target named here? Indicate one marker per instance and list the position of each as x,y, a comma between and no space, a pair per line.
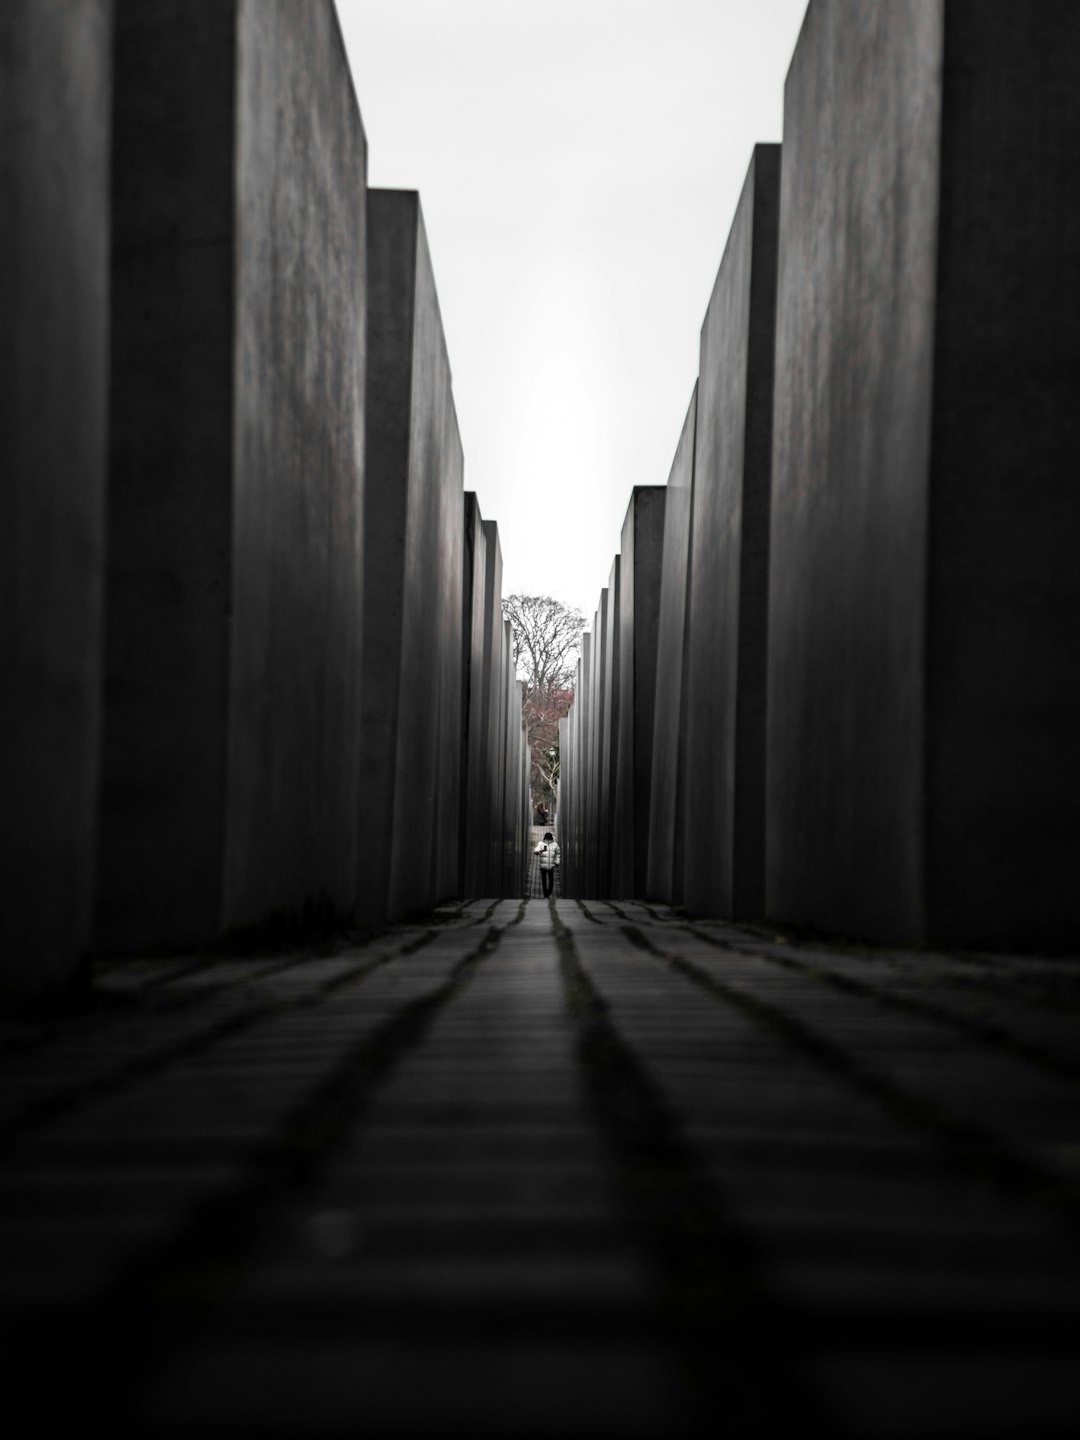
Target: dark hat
548,835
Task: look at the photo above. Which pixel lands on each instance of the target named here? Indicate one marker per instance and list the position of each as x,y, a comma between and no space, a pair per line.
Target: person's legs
546,877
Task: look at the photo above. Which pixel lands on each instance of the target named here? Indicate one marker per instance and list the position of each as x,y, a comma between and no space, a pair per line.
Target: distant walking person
549,862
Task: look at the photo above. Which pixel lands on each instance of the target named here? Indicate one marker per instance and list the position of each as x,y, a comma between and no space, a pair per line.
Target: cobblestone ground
548,1171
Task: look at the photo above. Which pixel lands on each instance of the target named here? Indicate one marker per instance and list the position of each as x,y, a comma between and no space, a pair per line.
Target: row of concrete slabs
868,602
255,668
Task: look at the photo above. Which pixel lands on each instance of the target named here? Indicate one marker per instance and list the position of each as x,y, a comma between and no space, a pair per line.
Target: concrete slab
584,768
728,593
664,875
474,821
55,62
446,878
232,700
607,843
494,732
922,773
298,503
642,551
413,578
514,813
428,631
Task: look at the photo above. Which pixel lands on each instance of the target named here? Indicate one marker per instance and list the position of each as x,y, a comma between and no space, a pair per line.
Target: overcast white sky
578,163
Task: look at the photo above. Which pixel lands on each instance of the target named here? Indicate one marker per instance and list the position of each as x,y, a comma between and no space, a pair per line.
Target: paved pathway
534,1171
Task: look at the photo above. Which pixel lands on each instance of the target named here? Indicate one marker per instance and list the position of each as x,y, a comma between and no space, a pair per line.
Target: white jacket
548,850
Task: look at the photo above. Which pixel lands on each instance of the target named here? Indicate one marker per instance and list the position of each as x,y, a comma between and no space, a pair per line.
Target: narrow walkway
549,1171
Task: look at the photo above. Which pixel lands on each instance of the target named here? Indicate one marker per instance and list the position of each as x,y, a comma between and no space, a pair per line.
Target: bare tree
547,642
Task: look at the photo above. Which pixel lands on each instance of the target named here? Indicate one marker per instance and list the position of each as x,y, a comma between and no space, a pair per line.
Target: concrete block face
55,63
568,817
596,716
163,818
1002,771
727,652
449,624
563,830
572,774
854,362
237,423
493,736
391,265
583,697
922,780
413,576
474,819
425,630
297,549
510,756
642,551
609,839
664,876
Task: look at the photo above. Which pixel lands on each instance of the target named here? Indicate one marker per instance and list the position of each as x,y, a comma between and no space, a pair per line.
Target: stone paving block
65,1261
959,1394
535,1388
507,1167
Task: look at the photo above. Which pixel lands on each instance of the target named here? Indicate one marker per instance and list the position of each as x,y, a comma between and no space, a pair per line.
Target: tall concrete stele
868,697
54,323
232,505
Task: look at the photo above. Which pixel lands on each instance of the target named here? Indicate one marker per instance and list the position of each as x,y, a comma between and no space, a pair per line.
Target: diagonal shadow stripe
171,1290
729,1334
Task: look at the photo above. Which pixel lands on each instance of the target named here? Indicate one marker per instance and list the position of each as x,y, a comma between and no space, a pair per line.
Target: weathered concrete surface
608,756
642,553
164,819
922,770
568,829
297,548
664,875
446,880
583,777
728,596
235,486
564,828
55,61
522,828
412,631
494,710
572,772
599,707
854,365
1002,765
433,478
514,803
475,821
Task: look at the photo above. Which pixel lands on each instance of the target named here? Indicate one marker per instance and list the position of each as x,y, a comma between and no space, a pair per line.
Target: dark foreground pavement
539,1173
